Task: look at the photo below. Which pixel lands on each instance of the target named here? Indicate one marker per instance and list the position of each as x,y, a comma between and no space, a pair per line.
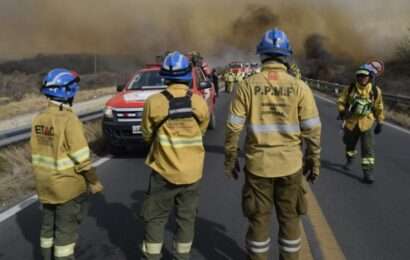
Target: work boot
368,176
348,164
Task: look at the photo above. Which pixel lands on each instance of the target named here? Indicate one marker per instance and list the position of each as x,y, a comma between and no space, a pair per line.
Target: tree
403,48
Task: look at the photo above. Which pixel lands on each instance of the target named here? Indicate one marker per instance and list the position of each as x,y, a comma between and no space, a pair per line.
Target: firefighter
361,107
215,80
174,122
280,113
62,166
229,78
239,76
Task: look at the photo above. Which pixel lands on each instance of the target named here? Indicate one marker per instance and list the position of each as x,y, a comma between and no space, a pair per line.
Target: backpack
179,108
373,95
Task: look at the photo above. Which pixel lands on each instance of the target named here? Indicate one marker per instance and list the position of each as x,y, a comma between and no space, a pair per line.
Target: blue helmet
60,84
176,67
274,43
367,70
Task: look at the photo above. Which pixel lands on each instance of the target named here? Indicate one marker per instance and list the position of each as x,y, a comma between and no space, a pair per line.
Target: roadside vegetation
35,102
321,63
395,80
398,117
18,85
20,80
16,177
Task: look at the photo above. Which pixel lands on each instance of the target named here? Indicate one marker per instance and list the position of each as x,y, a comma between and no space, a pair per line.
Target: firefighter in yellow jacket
174,122
229,79
62,166
280,113
361,106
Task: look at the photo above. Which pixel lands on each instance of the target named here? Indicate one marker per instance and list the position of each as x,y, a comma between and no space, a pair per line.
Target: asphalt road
369,222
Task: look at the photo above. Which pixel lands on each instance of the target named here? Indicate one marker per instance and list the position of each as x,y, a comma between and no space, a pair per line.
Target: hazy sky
140,27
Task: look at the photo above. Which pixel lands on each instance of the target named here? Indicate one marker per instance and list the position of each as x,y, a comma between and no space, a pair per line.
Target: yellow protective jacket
363,122
60,155
177,152
295,71
229,77
279,112
239,77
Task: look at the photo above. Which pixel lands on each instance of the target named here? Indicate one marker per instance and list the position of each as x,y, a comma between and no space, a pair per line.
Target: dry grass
95,138
34,102
16,178
398,117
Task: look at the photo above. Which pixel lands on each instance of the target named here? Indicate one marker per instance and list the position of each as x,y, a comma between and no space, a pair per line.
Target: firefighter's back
274,121
56,180
178,139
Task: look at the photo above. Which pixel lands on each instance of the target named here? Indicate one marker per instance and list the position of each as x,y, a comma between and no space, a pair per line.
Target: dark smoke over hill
253,22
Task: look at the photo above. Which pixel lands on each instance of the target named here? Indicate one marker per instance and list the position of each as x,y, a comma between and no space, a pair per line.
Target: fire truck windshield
147,80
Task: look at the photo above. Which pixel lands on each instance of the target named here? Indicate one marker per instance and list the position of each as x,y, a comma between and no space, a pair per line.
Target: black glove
309,171
341,116
378,129
236,170
232,165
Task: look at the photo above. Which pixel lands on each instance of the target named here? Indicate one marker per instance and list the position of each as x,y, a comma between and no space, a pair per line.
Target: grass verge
16,177
33,102
398,117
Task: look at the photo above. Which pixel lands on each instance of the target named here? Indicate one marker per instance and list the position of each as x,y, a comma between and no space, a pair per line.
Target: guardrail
403,102
12,136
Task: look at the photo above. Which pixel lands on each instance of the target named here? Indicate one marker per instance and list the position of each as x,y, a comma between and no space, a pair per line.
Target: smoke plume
145,28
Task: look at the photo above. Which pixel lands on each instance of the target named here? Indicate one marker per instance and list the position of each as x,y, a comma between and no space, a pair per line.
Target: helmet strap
70,101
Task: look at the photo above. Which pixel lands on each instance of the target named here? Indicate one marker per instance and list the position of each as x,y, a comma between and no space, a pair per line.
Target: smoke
252,23
143,28
315,47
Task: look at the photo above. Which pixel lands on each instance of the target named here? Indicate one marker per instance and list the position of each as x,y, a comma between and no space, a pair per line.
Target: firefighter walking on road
174,122
280,113
62,166
229,79
361,107
215,80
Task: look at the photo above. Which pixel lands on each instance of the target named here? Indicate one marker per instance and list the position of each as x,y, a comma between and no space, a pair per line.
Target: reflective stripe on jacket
363,122
177,151
279,111
60,155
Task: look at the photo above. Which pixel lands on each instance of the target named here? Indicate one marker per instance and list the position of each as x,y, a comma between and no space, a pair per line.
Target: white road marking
328,100
399,128
101,161
17,208
33,199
